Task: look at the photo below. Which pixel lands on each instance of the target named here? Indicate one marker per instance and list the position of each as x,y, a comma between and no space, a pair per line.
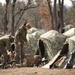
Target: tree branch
73,3
26,8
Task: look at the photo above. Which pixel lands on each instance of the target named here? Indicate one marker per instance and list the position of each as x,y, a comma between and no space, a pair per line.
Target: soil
36,71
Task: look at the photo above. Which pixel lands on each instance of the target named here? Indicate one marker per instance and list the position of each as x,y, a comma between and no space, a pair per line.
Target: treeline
40,13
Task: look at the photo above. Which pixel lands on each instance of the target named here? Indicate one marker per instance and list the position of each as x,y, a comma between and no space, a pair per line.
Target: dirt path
36,71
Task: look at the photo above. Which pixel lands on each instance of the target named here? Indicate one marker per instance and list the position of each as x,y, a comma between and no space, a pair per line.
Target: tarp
52,41
70,32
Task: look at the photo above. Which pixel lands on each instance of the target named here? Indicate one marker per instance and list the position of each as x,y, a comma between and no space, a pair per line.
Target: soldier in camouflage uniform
5,44
20,38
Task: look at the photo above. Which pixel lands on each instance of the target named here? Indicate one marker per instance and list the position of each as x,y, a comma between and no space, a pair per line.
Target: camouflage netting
66,28
50,43
31,30
70,32
38,33
33,39
32,44
71,52
71,42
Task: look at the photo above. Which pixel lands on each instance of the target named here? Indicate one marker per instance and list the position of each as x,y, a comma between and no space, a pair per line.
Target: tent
33,39
50,43
65,59
38,33
70,32
71,42
70,61
31,30
32,44
67,27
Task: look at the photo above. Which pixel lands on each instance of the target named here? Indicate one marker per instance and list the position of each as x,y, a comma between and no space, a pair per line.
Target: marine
20,39
5,45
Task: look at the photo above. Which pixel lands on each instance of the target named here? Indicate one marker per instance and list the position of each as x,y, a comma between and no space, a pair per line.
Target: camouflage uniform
5,44
20,37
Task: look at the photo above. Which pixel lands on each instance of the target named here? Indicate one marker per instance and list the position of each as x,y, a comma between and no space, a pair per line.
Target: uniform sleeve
21,35
25,36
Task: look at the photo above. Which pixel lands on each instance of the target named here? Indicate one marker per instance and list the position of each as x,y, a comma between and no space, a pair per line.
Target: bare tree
13,19
55,16
62,21
51,14
6,17
60,14
20,13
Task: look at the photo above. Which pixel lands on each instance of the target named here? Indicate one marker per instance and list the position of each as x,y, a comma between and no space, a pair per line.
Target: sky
66,2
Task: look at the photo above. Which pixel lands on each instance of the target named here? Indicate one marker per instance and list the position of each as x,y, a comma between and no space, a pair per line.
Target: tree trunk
13,18
5,17
51,14
55,16
6,21
62,21
60,14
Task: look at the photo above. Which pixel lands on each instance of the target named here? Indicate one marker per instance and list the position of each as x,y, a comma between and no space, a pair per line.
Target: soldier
20,38
5,44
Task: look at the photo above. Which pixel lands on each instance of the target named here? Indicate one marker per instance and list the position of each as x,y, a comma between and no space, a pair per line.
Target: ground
36,71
